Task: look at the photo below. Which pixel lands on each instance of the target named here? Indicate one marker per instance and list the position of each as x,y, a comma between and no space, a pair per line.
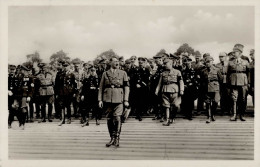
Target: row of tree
34,59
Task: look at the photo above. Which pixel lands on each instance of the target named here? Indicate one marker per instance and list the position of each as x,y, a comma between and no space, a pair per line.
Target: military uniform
90,102
225,100
22,95
170,85
45,82
113,91
76,99
190,91
210,79
140,86
238,80
65,88
252,76
11,91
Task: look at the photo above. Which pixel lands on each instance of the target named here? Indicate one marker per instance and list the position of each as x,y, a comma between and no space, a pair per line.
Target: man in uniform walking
89,95
140,83
171,87
210,80
11,91
44,84
113,94
76,99
252,75
239,82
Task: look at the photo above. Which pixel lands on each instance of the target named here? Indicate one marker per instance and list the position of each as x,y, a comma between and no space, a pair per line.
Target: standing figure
89,95
171,87
210,80
11,90
76,99
141,87
113,94
190,89
239,82
44,84
65,88
252,75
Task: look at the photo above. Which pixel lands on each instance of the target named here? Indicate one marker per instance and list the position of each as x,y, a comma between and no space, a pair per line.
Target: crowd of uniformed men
161,86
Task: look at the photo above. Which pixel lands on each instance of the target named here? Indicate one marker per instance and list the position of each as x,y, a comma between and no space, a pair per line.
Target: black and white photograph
130,82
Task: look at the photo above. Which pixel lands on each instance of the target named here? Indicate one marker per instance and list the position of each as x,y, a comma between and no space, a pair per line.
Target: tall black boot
213,110
118,125
208,107
111,130
234,108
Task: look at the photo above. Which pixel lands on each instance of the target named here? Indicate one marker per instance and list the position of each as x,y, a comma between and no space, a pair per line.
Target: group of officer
161,85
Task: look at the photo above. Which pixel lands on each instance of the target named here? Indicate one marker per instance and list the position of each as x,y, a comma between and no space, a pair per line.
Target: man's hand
126,104
74,95
181,93
138,85
57,96
82,98
28,99
100,104
10,93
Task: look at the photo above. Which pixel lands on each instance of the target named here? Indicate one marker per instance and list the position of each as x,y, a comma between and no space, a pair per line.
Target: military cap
173,56
24,68
166,60
222,54
121,58
127,61
187,60
157,56
209,58
60,61
238,47
142,59
65,64
252,51
76,63
12,67
104,60
41,65
206,55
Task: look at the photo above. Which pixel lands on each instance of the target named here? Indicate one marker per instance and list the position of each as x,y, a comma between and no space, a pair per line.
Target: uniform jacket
252,74
211,79
90,85
44,84
24,86
77,75
238,72
170,81
141,77
11,82
223,69
65,83
114,87
190,77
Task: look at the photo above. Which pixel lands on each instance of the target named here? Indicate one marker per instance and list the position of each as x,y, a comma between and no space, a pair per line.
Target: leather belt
168,83
238,72
114,86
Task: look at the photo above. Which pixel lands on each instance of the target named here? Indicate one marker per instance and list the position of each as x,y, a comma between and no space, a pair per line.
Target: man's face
237,54
59,66
128,65
133,59
67,68
24,72
208,63
158,61
76,67
168,65
221,58
115,63
252,56
122,62
92,71
141,63
11,71
188,65
86,67
197,59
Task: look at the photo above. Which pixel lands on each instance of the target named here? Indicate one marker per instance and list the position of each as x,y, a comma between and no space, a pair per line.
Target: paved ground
191,140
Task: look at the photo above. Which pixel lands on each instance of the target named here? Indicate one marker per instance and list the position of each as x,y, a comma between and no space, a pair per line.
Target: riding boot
209,112
118,126
234,117
213,111
111,130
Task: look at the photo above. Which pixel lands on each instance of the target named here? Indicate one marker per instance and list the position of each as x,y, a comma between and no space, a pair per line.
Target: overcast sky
86,31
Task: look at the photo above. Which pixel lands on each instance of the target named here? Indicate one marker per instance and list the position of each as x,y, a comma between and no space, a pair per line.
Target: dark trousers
141,101
225,100
188,102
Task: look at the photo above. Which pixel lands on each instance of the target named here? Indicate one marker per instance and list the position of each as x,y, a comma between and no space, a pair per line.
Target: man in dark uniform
89,95
113,93
238,80
198,65
190,89
156,100
252,75
121,63
22,94
171,86
210,80
140,83
65,88
11,91
225,100
44,84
